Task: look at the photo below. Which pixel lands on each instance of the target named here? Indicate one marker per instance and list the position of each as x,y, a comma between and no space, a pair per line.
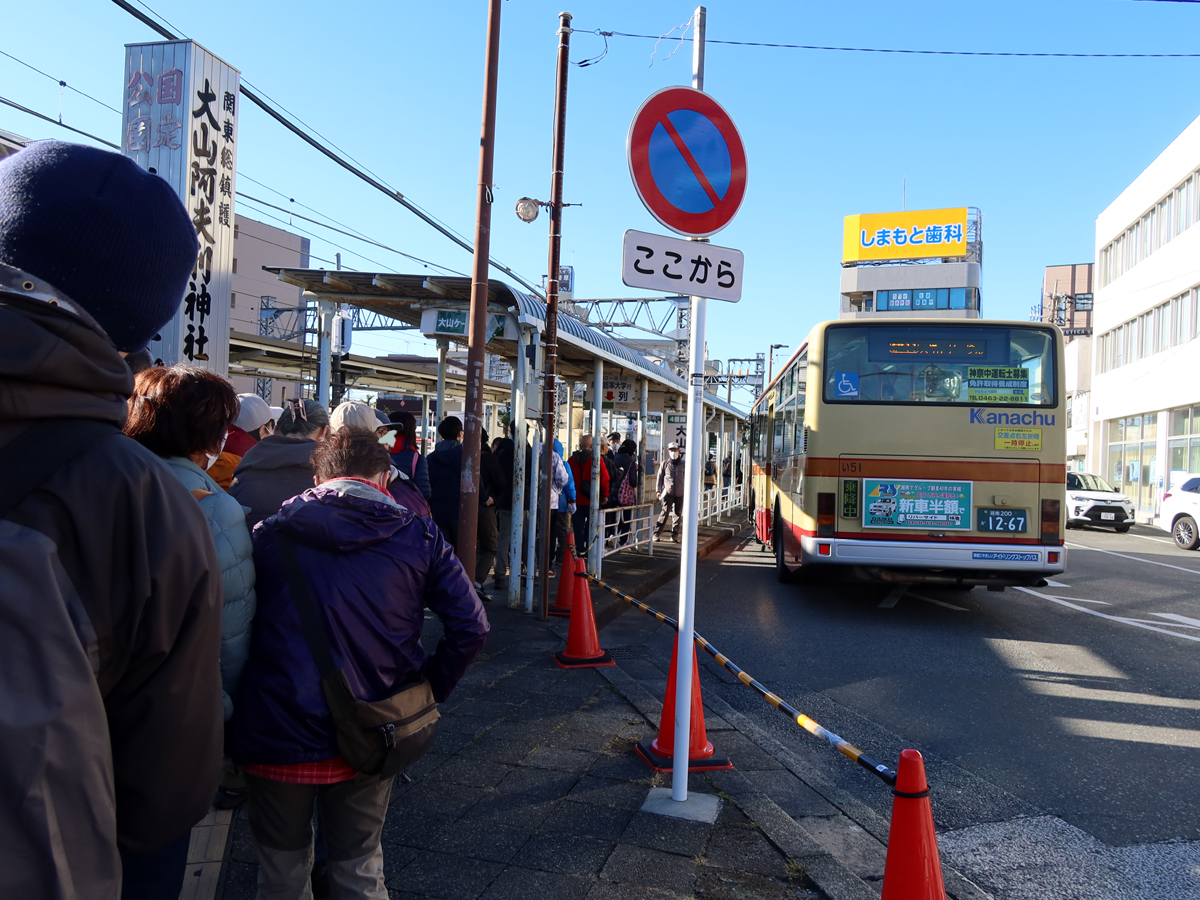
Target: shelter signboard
179,120
914,234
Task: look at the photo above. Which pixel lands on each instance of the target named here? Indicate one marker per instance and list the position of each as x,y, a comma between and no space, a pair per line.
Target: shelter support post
643,443
595,526
424,432
443,346
520,383
325,310
531,535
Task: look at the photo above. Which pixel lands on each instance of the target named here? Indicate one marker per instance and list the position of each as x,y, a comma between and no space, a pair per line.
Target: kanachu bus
915,451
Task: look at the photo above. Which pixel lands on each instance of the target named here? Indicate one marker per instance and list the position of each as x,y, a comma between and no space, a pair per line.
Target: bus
915,451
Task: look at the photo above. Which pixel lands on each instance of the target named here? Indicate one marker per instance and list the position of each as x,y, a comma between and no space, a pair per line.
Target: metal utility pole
468,501
693,468
550,388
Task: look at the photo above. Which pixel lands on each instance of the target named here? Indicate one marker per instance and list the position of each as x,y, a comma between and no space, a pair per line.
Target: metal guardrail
884,773
626,528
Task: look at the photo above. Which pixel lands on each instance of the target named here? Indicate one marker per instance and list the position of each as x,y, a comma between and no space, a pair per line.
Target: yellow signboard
1019,439
915,234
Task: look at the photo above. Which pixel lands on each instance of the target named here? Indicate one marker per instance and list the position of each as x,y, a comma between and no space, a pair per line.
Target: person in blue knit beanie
110,612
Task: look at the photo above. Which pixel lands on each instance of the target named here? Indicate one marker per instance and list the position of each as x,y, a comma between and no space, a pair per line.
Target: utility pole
549,397
468,501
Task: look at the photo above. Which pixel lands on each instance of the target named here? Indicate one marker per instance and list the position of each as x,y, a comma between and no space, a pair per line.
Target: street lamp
527,209
771,359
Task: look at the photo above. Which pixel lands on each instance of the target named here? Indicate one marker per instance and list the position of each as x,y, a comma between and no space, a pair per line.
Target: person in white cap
670,488
255,421
353,414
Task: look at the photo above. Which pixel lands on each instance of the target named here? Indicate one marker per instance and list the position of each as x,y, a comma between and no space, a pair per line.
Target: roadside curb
614,607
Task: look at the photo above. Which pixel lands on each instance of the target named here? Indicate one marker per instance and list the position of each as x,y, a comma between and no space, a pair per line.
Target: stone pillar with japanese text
180,107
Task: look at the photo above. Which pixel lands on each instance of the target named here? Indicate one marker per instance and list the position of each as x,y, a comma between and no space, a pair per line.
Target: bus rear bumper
946,563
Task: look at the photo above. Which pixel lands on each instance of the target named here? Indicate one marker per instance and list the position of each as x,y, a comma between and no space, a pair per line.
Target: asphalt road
1078,701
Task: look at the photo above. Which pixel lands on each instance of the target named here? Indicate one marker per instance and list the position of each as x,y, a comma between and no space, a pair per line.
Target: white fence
719,501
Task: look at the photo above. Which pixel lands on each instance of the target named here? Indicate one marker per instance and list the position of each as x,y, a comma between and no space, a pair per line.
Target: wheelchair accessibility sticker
845,384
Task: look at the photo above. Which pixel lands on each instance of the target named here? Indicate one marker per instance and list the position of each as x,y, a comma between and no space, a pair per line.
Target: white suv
1181,512
1093,501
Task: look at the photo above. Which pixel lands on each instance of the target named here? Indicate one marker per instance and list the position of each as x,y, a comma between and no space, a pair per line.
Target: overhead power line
655,37
266,107
54,121
59,82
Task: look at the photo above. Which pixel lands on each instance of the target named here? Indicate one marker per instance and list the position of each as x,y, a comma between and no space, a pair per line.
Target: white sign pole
693,468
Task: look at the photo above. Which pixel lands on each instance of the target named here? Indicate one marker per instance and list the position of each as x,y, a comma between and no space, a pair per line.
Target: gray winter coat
235,553
273,471
671,477
110,617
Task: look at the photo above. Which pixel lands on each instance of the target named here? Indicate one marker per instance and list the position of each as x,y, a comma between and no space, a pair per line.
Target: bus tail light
823,550
1052,558
1050,519
826,509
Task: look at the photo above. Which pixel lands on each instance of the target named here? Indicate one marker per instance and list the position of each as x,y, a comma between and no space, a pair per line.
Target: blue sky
1040,145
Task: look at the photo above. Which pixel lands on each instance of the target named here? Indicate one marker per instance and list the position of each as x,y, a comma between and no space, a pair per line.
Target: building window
1069,399
236,227
1131,458
233,300
1178,211
235,265
924,299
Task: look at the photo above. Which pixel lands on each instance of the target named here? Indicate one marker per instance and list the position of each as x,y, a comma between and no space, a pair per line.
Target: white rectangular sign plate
675,266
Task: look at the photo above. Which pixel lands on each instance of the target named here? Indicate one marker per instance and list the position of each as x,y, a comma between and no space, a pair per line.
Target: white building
1145,356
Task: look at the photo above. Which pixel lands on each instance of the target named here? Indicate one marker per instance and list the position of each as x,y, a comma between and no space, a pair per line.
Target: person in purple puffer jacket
372,568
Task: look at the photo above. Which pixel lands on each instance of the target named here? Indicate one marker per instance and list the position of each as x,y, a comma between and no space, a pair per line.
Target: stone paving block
396,857
744,850
633,865
413,828
574,739
530,732
437,798
489,710
793,796
538,784
511,809
609,792
606,890
725,885
604,822
647,673
241,840
451,877
713,722
560,758
859,851
552,700
568,854
743,752
517,883
625,767
494,750
454,722
241,880
422,767
475,772
480,839
582,683
670,835
734,783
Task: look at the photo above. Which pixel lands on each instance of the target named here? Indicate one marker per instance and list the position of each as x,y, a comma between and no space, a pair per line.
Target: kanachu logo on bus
983,417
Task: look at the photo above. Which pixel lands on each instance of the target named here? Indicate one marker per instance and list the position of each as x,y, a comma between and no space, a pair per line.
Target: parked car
1181,511
1093,501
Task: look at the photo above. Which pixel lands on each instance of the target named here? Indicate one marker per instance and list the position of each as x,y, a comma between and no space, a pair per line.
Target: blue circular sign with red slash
687,161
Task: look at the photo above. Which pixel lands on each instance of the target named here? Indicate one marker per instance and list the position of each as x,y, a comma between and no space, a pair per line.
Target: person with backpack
345,575
110,727
626,492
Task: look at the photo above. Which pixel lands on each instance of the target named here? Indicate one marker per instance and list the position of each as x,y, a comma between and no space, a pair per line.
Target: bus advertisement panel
930,451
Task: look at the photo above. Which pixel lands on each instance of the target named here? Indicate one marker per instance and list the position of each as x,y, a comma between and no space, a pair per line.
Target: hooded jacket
562,485
227,522
372,568
110,723
272,472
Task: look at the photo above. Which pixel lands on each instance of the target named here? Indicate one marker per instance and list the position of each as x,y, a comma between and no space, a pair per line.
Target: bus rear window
977,365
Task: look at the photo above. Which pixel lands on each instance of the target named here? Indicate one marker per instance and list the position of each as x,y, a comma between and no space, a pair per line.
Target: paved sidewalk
532,790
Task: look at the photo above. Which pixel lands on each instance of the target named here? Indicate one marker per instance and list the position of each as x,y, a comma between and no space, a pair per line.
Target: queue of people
185,572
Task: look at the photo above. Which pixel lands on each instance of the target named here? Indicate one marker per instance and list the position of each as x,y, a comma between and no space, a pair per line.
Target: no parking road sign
687,161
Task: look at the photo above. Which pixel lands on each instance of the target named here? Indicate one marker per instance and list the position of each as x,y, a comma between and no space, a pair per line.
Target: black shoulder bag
380,738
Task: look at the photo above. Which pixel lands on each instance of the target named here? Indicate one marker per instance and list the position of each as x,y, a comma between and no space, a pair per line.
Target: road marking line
1077,692
939,602
892,598
1050,582
1143,537
1096,612
1195,623
1152,622
1128,731
1138,558
1083,600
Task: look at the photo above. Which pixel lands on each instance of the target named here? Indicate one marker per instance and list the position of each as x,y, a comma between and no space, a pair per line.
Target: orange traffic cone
567,587
702,756
913,870
583,644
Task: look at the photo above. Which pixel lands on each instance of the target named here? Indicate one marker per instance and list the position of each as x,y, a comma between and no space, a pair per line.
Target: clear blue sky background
1040,145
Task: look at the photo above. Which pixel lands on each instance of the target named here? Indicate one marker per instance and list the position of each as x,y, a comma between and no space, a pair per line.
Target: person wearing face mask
670,487
181,414
255,421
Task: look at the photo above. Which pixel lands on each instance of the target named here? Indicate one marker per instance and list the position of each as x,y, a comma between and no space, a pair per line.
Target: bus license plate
1007,520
